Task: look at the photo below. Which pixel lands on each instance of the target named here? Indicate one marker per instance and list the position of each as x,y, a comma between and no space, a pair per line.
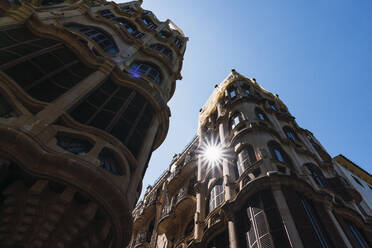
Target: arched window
127,9
44,68
164,34
290,133
108,161
216,196
108,14
51,2
150,24
246,157
277,152
272,105
139,68
73,144
261,115
121,111
100,37
6,111
316,174
163,49
232,92
235,120
246,89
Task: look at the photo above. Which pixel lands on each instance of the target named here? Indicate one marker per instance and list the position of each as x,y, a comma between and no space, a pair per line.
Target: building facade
84,87
275,185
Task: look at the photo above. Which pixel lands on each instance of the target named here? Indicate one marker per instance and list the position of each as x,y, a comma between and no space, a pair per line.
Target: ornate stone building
275,185
84,87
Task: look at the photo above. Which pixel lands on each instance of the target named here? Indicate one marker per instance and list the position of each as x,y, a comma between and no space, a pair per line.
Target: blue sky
317,55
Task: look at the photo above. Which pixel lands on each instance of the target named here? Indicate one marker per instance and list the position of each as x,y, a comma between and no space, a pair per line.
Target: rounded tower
84,87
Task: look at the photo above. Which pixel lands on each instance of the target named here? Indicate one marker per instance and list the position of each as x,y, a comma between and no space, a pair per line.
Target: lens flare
212,152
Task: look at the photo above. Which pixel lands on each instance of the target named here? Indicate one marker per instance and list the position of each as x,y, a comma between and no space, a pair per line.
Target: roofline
356,169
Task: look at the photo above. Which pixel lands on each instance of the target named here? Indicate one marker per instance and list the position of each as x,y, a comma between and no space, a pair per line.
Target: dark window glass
178,43
358,181
232,93
246,89
246,158
109,162
127,9
118,110
51,2
260,115
290,133
46,69
164,34
277,152
357,235
314,224
316,174
101,38
138,68
73,145
150,24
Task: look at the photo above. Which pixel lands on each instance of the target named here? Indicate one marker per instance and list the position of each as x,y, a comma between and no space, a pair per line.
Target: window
246,89
108,14
260,115
356,234
232,93
101,38
44,68
149,231
272,106
150,24
314,224
138,68
127,9
216,196
236,119
121,111
290,134
316,174
358,181
73,144
164,34
246,158
108,162
51,2
277,152
178,43
163,49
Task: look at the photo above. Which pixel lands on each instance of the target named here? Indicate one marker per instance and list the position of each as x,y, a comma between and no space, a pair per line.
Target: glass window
289,133
178,43
237,118
316,175
277,152
246,158
127,9
314,224
278,155
357,235
138,68
260,115
102,39
109,162
246,89
358,181
232,93
216,197
51,2
73,144
150,24
163,49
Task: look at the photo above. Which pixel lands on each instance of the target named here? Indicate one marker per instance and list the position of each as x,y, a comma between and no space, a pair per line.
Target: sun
212,152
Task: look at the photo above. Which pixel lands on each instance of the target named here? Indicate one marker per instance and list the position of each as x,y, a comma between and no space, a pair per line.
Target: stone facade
84,87
275,185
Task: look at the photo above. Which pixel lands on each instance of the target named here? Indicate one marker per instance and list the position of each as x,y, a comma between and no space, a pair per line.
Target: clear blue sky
317,55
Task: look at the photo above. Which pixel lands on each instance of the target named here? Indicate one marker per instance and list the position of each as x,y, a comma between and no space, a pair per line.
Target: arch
152,71
44,68
109,162
118,110
216,195
163,49
100,37
236,119
277,152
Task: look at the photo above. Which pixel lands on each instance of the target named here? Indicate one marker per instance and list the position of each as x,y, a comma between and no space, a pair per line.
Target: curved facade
275,186
84,87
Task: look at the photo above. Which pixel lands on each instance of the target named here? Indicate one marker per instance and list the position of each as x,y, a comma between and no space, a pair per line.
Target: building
84,87
274,184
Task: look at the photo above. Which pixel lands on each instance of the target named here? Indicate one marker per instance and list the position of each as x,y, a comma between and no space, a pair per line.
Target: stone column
199,189
289,225
142,158
339,228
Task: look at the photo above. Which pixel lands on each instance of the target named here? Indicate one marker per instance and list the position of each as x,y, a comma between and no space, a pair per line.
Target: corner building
84,87
275,186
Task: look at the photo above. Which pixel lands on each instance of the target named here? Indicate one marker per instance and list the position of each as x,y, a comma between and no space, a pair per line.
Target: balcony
340,187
